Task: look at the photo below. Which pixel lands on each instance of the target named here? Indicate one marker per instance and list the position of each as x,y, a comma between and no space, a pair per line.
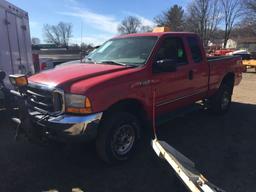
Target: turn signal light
18,80
79,110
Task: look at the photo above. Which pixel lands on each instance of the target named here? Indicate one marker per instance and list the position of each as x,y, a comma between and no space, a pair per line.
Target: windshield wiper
112,62
88,59
116,63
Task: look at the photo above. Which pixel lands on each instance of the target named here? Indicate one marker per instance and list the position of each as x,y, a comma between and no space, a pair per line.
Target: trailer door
5,56
25,54
14,45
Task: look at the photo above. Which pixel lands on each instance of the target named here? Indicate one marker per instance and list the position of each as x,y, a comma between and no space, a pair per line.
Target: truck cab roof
158,34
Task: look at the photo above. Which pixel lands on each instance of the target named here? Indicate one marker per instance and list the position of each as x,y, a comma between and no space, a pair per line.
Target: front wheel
117,137
221,101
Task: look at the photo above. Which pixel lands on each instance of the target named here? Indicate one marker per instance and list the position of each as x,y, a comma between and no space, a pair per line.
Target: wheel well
229,79
133,106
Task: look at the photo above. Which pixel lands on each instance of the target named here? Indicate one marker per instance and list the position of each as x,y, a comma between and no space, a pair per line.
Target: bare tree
59,34
203,17
251,5
130,24
173,18
146,28
85,46
250,19
35,41
244,29
232,12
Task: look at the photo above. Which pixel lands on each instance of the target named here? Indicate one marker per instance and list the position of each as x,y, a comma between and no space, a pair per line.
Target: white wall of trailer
15,41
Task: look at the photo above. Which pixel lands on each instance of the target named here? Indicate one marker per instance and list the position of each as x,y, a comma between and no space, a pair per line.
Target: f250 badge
144,83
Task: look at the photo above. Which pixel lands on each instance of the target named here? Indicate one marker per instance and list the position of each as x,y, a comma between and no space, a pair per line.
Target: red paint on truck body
106,85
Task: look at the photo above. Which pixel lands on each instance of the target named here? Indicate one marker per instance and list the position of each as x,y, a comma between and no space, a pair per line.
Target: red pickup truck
109,97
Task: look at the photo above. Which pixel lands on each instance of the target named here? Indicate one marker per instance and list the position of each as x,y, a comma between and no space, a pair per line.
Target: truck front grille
44,100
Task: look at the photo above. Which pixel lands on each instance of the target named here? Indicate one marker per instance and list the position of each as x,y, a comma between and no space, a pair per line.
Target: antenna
81,42
154,113
81,34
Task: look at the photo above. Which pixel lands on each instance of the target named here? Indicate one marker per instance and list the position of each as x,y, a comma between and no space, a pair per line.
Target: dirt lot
222,147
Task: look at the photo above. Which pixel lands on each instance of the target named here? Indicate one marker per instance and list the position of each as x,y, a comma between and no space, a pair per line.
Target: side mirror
166,65
2,75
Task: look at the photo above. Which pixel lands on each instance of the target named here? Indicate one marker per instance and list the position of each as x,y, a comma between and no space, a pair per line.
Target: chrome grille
44,100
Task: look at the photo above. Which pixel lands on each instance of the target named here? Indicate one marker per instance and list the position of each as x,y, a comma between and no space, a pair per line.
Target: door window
172,49
195,49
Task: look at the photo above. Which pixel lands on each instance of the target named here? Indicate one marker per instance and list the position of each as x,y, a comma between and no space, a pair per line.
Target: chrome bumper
70,126
68,119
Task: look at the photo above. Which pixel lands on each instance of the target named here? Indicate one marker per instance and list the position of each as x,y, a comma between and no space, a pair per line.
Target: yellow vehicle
250,64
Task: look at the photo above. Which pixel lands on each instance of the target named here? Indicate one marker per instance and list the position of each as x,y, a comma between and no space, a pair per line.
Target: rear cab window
195,48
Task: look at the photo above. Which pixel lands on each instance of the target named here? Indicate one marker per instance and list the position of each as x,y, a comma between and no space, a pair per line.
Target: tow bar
183,167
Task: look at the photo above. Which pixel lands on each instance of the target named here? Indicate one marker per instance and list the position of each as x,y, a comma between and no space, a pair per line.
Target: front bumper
68,127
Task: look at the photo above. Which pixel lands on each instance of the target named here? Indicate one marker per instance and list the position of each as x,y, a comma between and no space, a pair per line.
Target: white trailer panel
15,46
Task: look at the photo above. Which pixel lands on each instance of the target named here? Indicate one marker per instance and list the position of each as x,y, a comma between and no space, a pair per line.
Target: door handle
190,74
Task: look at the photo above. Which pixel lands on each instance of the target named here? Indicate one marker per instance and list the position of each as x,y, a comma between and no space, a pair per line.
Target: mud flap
184,168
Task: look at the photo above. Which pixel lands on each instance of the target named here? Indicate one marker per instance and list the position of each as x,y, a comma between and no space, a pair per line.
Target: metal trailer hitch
184,168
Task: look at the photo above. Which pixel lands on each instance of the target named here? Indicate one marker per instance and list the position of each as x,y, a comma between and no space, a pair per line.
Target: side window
195,49
173,49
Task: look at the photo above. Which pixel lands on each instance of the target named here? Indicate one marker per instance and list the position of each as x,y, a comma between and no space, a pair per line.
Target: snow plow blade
184,168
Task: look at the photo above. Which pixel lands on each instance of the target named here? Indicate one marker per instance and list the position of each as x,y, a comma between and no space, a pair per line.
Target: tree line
211,19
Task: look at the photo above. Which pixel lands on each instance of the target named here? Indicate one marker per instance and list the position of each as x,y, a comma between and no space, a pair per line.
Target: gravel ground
223,148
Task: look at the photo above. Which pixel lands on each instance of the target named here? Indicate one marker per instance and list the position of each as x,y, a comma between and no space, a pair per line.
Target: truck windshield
130,51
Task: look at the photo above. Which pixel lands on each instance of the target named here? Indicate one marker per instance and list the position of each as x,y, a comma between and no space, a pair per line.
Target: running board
163,119
184,168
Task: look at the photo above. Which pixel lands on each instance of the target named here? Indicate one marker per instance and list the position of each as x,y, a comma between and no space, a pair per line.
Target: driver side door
173,87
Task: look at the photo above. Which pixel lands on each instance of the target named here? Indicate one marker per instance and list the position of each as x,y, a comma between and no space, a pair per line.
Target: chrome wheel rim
123,139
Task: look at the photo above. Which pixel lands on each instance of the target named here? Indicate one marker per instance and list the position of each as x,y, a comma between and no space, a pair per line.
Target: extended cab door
173,88
199,69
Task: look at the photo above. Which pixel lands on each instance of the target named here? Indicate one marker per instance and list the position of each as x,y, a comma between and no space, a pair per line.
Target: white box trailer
15,41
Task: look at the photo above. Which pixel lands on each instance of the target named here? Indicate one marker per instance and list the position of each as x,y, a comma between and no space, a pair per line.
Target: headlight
77,104
18,80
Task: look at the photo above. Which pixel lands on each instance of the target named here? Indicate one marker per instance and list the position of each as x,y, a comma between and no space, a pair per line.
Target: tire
117,138
221,101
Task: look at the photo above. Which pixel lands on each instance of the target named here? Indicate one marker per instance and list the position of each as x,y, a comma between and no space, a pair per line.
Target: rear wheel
220,102
117,137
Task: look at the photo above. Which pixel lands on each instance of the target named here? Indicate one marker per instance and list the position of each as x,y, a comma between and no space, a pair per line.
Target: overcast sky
98,19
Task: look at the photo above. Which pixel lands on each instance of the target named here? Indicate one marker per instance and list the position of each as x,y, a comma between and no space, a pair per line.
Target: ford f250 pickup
109,97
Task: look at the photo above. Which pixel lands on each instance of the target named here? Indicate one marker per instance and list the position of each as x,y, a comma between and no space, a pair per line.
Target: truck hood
72,73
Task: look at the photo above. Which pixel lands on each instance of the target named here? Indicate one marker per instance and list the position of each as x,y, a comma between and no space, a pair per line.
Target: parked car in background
249,60
46,64
83,60
222,52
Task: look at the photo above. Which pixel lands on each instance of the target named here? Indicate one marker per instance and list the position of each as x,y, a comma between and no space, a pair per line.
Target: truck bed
219,67
217,58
